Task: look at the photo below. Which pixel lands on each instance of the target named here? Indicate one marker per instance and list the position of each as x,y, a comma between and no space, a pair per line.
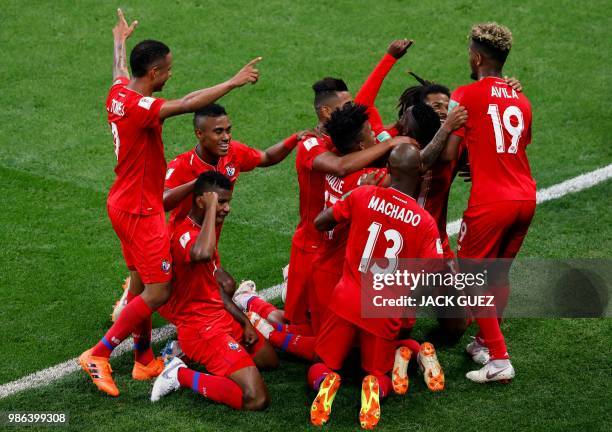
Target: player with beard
503,195
135,201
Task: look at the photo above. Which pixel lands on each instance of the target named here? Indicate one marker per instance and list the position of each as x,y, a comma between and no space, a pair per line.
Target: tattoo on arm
120,60
432,151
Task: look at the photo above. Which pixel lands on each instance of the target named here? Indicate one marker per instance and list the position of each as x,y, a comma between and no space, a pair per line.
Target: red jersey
496,135
137,134
331,253
434,191
195,301
383,222
188,166
312,190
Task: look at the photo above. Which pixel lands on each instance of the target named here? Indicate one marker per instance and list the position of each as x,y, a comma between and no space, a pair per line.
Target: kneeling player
211,330
344,322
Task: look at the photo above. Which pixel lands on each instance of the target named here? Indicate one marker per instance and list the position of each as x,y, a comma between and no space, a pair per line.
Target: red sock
411,344
316,375
384,385
300,346
493,338
134,313
142,343
260,306
216,388
301,329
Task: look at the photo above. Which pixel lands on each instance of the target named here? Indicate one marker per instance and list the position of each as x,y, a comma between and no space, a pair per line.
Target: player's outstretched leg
246,298
297,345
430,366
176,375
327,383
369,414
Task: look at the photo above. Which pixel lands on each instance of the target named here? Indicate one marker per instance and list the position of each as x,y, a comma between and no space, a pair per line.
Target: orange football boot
430,366
141,372
369,415
321,406
99,370
400,370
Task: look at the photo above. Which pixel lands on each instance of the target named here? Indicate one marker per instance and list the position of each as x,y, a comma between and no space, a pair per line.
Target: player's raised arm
121,32
173,196
279,151
204,247
341,166
200,98
456,119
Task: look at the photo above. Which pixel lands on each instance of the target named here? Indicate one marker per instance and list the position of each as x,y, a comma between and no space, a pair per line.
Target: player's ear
200,201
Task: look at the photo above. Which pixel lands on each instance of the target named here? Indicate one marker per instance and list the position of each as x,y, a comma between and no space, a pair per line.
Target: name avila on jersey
503,92
394,211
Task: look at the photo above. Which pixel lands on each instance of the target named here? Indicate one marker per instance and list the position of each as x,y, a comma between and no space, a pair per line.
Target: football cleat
243,294
430,366
171,350
400,370
143,372
122,302
167,381
369,415
100,372
478,351
321,406
284,284
263,326
495,370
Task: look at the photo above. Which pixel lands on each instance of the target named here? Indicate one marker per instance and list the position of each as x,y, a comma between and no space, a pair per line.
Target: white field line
53,373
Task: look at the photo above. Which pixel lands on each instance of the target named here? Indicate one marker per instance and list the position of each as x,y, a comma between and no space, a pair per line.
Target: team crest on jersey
230,170
165,266
233,346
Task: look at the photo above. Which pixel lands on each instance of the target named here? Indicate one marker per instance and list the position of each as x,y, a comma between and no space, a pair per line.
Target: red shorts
221,354
322,287
494,230
336,338
300,269
145,244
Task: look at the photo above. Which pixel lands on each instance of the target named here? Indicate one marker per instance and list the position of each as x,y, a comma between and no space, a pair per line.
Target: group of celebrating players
358,180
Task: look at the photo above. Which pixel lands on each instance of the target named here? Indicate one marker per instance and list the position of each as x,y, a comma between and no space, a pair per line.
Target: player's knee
255,399
157,295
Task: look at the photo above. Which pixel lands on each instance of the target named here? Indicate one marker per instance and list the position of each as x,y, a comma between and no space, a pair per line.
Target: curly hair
345,126
494,39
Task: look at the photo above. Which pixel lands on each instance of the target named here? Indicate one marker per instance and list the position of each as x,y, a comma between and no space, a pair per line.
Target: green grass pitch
60,261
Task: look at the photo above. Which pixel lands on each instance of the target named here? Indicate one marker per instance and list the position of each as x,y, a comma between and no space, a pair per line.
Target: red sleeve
147,111
311,148
368,92
458,98
183,247
174,174
248,158
342,209
431,246
123,81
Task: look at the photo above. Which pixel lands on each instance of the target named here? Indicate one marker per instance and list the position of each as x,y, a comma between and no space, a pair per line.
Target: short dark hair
415,94
326,88
428,123
345,126
208,181
210,110
433,89
145,54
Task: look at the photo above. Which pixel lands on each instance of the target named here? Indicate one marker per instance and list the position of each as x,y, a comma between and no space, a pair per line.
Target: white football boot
284,284
245,291
430,366
478,352
167,381
122,302
262,325
495,370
